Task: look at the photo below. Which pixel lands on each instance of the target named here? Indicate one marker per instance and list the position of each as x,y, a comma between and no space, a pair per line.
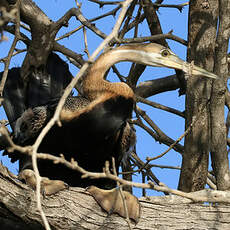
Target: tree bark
76,209
201,48
219,154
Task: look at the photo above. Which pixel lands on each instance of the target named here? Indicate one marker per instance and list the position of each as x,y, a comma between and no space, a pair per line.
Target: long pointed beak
176,63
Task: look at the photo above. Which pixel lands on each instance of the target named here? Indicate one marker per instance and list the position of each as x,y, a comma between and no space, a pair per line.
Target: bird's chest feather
93,132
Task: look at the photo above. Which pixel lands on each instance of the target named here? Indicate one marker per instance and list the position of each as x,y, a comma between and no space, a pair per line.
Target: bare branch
86,50
159,106
151,39
10,54
102,3
161,136
112,12
67,92
122,195
179,7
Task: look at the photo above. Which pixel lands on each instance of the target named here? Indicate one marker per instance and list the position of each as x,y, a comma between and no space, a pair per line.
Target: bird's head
150,54
153,54
30,124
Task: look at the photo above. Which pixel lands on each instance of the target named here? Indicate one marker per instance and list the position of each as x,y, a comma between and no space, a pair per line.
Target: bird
65,139
95,126
48,187
45,84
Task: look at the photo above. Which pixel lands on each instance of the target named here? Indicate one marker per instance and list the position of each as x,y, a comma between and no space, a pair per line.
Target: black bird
95,127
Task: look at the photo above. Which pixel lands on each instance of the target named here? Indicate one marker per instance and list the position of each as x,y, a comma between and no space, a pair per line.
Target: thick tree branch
149,88
201,44
220,161
82,212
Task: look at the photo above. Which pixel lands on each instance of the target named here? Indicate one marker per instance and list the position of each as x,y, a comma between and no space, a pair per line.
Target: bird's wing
44,87
13,95
48,83
45,84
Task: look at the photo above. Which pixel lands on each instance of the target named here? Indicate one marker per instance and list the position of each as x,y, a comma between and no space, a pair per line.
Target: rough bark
76,209
219,154
201,47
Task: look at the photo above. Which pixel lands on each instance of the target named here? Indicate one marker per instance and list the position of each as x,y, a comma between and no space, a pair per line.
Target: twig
194,120
9,56
102,3
143,181
126,24
137,24
129,15
152,38
115,70
55,118
76,57
69,33
178,148
14,54
22,37
112,12
87,23
86,50
179,7
165,166
122,195
132,24
172,145
159,106
74,166
211,184
161,136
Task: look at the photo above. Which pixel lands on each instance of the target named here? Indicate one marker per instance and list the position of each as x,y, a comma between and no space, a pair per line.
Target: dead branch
149,88
18,205
102,3
10,54
161,136
159,106
157,37
180,7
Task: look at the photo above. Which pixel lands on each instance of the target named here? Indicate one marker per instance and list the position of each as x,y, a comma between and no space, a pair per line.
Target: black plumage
91,139
94,131
45,84
89,134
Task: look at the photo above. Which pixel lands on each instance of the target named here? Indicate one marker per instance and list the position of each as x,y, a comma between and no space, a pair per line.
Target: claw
48,187
28,176
111,201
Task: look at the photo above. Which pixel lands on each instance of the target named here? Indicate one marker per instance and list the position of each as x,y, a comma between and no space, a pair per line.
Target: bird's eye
165,53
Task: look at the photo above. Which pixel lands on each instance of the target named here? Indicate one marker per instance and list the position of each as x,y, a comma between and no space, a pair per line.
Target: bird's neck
95,85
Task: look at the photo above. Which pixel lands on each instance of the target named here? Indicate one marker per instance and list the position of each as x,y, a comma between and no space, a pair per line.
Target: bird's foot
48,187
112,202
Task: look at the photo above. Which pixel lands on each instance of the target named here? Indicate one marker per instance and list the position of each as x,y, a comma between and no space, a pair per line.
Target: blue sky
172,125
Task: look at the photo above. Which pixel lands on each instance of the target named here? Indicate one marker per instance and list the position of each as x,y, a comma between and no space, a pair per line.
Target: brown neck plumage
95,85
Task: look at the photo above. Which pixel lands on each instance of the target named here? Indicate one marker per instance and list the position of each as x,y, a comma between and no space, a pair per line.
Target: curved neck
95,85
107,59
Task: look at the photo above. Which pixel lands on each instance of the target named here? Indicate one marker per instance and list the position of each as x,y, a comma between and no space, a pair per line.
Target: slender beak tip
192,69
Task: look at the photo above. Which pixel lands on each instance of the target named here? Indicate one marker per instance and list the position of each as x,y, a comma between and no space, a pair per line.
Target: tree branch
80,210
219,155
